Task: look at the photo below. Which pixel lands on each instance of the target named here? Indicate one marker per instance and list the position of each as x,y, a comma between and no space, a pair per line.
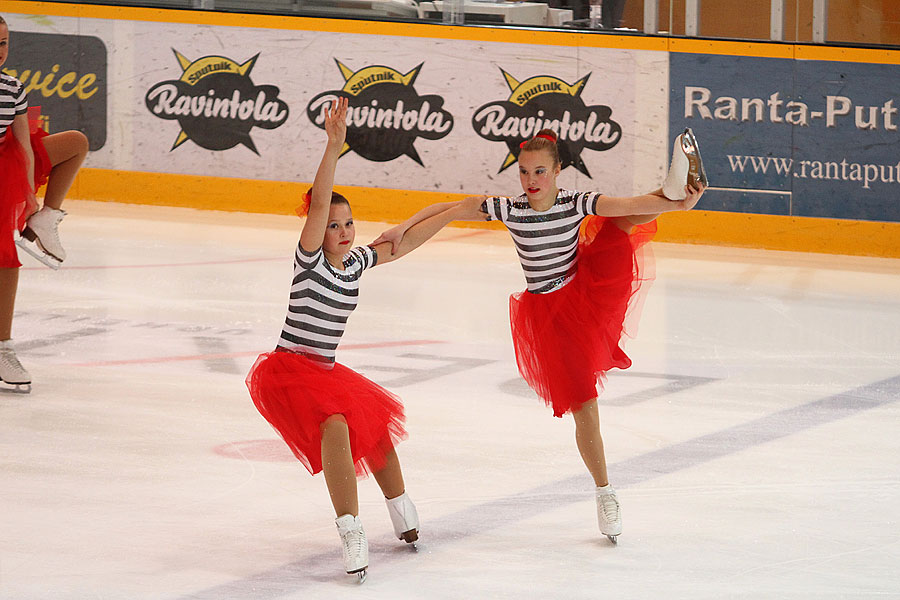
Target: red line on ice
164,359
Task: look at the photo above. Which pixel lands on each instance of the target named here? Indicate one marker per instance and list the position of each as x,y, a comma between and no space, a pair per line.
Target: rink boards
224,111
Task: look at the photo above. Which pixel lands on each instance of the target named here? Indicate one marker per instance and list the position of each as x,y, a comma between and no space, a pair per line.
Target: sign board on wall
425,114
66,76
780,136
793,137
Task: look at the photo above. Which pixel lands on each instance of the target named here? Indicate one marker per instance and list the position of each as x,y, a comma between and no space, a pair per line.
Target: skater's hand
693,196
472,204
470,209
392,235
336,123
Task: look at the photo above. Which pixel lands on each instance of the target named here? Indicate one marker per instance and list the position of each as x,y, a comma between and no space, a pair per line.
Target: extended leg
337,465
390,477
12,373
66,151
340,477
590,445
590,442
9,283
686,168
404,516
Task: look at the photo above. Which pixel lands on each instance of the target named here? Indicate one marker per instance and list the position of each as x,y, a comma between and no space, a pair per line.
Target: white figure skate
609,515
355,545
40,238
12,373
686,168
404,517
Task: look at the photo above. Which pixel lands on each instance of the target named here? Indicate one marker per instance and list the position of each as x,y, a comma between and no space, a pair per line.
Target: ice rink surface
754,443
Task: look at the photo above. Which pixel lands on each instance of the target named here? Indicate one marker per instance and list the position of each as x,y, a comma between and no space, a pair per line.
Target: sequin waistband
554,285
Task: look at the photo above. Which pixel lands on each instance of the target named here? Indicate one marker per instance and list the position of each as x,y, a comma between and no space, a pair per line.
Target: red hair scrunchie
303,209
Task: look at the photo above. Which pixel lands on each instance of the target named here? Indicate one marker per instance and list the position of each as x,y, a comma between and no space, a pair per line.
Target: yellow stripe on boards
730,48
777,232
838,54
246,195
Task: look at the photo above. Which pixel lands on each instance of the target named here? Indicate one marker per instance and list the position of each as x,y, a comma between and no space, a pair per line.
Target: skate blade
361,574
31,247
691,149
410,536
15,388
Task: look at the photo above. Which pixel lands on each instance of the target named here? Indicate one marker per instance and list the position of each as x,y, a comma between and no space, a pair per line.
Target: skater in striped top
581,253
334,419
29,158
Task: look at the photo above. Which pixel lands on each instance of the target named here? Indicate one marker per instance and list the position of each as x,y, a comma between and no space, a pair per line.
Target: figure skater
29,158
334,419
584,268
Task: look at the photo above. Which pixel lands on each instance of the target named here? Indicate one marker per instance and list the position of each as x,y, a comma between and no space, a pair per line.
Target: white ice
754,443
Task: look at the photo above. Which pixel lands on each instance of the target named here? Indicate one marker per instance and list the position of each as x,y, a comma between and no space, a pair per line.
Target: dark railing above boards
854,22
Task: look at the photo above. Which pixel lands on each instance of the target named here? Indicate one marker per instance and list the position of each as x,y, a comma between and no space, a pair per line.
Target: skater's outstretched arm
693,196
651,204
22,133
313,233
421,231
470,210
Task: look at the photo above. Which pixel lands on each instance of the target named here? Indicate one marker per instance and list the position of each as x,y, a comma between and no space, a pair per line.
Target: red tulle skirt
566,340
14,188
296,394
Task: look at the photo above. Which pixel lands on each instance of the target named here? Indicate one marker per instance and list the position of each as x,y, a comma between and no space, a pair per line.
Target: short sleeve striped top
546,242
13,101
322,298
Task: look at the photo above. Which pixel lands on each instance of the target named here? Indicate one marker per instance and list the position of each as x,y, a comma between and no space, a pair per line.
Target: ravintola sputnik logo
216,103
547,102
386,115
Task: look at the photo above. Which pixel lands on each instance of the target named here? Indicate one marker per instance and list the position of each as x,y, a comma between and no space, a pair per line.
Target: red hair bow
303,209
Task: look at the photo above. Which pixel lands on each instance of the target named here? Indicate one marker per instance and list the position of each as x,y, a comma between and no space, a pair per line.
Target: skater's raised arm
313,233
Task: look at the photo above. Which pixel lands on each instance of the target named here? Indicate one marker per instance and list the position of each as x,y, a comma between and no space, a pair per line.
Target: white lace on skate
44,224
404,518
355,545
11,370
609,515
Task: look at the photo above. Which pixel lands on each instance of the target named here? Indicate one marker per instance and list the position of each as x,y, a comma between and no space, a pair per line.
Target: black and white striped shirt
13,101
547,242
322,298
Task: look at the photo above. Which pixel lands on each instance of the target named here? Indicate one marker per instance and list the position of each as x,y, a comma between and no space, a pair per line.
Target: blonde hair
545,139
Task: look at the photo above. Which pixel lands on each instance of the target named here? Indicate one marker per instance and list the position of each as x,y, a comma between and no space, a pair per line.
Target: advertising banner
426,114
793,137
66,76
779,136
